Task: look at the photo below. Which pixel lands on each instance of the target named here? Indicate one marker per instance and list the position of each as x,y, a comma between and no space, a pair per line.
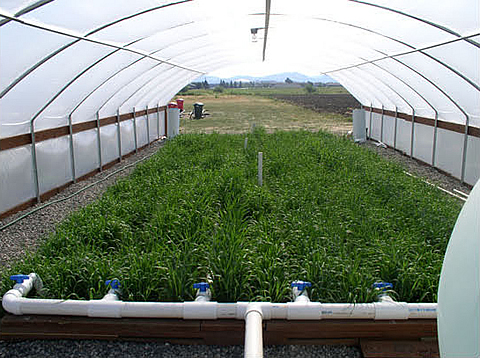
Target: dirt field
331,103
237,114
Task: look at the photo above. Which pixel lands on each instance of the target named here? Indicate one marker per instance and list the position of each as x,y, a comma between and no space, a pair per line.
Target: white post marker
260,168
245,144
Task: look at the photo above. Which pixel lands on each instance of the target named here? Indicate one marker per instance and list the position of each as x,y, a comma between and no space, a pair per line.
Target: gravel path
419,169
64,349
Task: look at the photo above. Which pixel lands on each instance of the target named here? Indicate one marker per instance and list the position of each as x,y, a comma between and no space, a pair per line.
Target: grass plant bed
329,212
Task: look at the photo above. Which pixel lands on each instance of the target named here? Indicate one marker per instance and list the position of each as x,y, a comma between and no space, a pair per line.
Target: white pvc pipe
14,302
438,187
461,193
253,331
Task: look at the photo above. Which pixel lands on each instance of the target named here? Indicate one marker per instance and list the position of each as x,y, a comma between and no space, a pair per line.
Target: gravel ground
419,169
81,349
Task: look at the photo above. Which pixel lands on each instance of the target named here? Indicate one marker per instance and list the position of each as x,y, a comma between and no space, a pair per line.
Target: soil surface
332,103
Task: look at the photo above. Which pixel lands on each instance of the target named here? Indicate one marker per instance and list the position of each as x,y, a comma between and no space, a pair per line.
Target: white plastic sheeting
86,153
16,177
83,60
132,54
458,293
444,153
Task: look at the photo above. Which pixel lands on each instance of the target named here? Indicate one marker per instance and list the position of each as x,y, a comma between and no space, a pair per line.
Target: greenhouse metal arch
77,77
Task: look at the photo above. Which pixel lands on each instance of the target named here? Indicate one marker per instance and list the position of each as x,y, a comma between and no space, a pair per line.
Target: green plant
329,212
309,88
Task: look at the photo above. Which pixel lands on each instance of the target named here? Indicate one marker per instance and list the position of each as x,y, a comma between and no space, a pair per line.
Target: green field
262,91
329,212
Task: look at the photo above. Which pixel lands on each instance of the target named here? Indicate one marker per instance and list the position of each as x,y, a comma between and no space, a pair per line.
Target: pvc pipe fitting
304,310
200,310
24,283
389,309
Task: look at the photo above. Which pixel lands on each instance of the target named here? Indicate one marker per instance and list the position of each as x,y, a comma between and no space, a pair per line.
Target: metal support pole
465,145
148,126
434,147
370,123
381,124
72,149
395,129
34,163
135,130
412,133
260,168
158,122
165,115
119,136
99,139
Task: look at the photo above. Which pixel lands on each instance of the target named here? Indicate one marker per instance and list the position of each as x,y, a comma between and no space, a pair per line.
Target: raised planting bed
329,212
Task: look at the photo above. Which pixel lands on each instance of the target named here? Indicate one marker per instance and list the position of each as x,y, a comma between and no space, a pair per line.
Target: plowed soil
332,103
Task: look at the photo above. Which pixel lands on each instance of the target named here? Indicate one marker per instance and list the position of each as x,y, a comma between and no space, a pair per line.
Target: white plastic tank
359,126
173,121
459,289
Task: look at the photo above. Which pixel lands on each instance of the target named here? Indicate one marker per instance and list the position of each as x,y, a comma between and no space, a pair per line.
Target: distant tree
205,85
184,89
218,89
309,88
288,80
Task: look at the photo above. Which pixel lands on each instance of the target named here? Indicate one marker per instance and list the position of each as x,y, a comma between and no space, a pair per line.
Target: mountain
279,77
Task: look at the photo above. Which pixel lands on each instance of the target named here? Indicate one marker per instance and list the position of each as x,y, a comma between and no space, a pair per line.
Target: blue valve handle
115,284
19,278
202,286
382,285
301,285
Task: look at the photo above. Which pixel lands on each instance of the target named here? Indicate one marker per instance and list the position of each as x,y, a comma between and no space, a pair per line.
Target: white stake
245,144
260,168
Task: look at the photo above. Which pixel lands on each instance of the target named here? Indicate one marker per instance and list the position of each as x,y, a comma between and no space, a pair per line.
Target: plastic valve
301,285
19,278
382,285
115,284
201,286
